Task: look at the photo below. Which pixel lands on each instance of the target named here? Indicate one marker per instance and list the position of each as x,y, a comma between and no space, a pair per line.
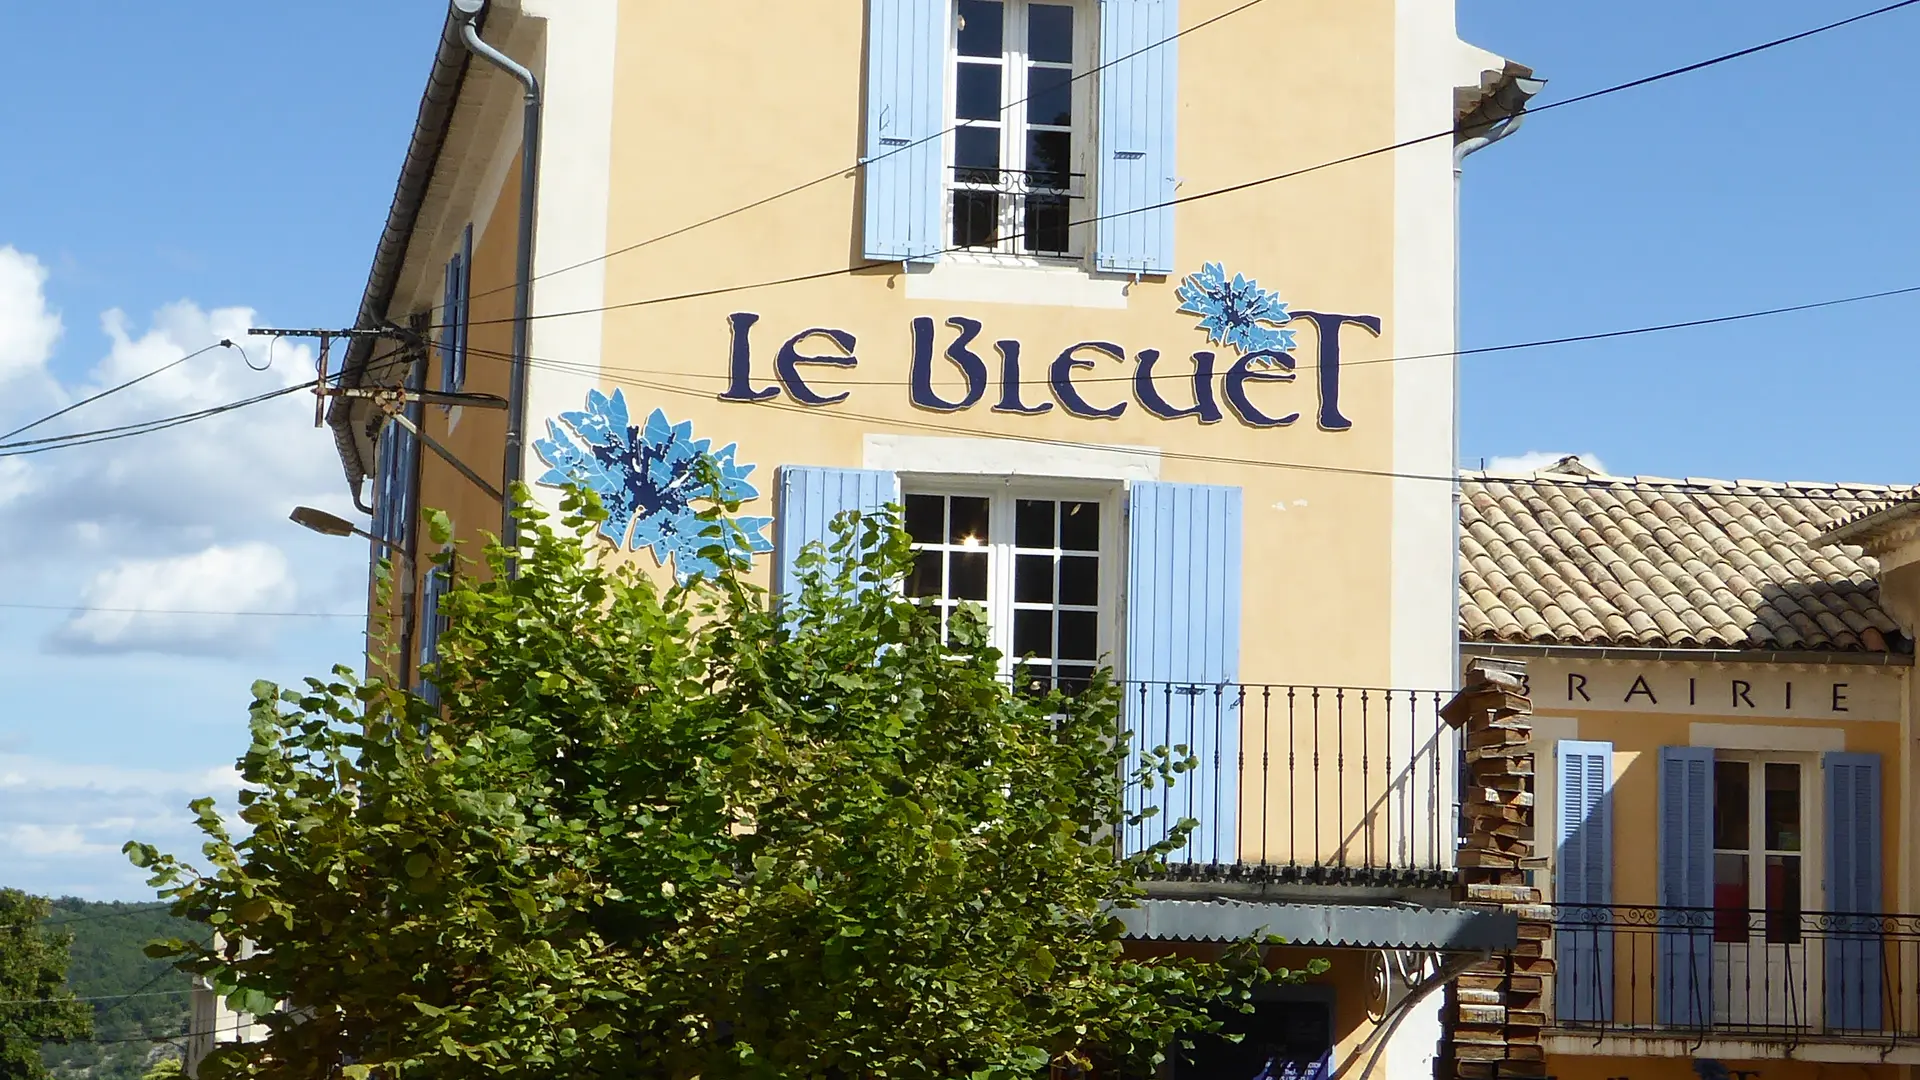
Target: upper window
1758,805
1041,568
1017,162
454,315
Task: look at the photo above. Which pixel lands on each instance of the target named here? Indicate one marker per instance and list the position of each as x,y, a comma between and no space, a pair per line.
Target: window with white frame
1040,564
1021,125
1760,805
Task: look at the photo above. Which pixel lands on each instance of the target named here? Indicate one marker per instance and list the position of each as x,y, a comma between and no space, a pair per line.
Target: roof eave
416,174
1863,531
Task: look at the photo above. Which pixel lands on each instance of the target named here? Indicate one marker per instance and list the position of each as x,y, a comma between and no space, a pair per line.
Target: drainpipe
1512,98
515,465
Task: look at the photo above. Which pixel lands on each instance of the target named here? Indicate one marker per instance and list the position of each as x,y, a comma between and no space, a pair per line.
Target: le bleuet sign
961,370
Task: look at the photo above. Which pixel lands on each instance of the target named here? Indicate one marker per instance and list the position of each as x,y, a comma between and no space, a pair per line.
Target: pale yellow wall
695,139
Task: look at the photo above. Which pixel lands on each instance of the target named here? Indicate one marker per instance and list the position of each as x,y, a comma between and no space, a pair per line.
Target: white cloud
65,824
28,327
137,605
1535,460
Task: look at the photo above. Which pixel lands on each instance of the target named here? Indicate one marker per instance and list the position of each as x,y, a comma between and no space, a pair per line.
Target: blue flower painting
1236,313
647,480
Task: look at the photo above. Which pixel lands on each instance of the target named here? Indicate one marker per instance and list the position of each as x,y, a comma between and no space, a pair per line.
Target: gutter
1697,656
416,174
515,464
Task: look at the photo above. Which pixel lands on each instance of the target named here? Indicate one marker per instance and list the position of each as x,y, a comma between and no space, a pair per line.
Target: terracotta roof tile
1568,557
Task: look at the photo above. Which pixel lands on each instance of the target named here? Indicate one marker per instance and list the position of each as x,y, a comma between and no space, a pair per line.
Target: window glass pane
1783,897
1050,33
1049,159
976,218
1730,805
1079,635
924,579
1730,897
1032,634
1075,677
1080,580
1783,806
1080,526
1033,523
976,155
969,575
1033,579
978,91
924,513
969,520
1049,96
981,24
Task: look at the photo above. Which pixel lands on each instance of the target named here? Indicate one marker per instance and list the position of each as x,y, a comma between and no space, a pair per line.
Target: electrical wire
1480,350
145,427
84,608
1232,188
1842,494
837,173
103,997
222,343
117,914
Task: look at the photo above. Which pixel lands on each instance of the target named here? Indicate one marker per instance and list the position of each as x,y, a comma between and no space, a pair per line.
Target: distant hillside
110,962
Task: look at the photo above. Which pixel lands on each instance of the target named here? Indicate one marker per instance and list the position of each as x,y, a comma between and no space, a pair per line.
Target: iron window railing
1309,784
1731,973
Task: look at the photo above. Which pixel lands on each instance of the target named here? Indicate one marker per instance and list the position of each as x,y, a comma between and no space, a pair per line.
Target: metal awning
1373,926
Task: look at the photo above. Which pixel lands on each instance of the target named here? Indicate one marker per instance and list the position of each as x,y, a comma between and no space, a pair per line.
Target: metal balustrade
1734,974
1309,784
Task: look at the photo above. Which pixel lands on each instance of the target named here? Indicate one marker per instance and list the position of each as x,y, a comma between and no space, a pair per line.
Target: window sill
1016,279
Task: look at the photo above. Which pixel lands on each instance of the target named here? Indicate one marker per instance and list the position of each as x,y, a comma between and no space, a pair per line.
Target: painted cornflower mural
1236,312
646,477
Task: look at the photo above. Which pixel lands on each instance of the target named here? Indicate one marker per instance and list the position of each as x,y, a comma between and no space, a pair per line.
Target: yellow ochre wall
1565,1067
692,140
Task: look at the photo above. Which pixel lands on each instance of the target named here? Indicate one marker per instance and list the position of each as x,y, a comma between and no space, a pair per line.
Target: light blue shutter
430,626
1183,659
810,498
1683,997
1138,114
1854,961
1583,874
906,97
466,310
453,324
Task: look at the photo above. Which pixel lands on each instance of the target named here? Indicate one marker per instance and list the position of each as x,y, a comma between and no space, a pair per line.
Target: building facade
1723,727
1071,281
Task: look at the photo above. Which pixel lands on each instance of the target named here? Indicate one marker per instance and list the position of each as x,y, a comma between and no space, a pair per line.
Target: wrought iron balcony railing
1317,785
1780,975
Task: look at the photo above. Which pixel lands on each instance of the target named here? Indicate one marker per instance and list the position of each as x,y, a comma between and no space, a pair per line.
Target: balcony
1301,785
1735,984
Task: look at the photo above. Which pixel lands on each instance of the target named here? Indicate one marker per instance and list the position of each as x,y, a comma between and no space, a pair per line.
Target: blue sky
175,178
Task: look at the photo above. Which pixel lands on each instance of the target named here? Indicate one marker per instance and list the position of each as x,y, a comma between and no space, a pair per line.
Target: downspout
1523,89
515,464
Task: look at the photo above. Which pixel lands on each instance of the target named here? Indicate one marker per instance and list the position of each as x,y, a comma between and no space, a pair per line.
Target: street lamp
329,525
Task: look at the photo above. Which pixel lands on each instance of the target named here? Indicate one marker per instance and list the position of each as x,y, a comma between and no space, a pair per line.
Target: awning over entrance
1373,926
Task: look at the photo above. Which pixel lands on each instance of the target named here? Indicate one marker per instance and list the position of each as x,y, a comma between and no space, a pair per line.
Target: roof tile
1562,557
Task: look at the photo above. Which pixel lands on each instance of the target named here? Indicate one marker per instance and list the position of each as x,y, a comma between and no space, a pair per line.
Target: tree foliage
108,963
35,1004
671,831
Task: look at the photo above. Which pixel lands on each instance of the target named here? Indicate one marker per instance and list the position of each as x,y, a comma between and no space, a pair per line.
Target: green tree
668,831
165,1069
35,1004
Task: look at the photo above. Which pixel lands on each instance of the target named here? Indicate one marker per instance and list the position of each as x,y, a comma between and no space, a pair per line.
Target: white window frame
1812,824
1002,493
1013,142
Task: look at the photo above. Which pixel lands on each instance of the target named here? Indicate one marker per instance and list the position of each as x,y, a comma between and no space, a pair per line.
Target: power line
1233,188
103,997
137,380
837,173
84,608
1480,350
1594,483
144,427
119,913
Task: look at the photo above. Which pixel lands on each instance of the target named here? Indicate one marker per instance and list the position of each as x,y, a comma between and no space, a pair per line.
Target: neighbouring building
990,260
1724,728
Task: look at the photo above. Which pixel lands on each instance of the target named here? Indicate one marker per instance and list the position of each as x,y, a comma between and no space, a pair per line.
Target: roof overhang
1368,926
351,419
1519,651
1879,529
